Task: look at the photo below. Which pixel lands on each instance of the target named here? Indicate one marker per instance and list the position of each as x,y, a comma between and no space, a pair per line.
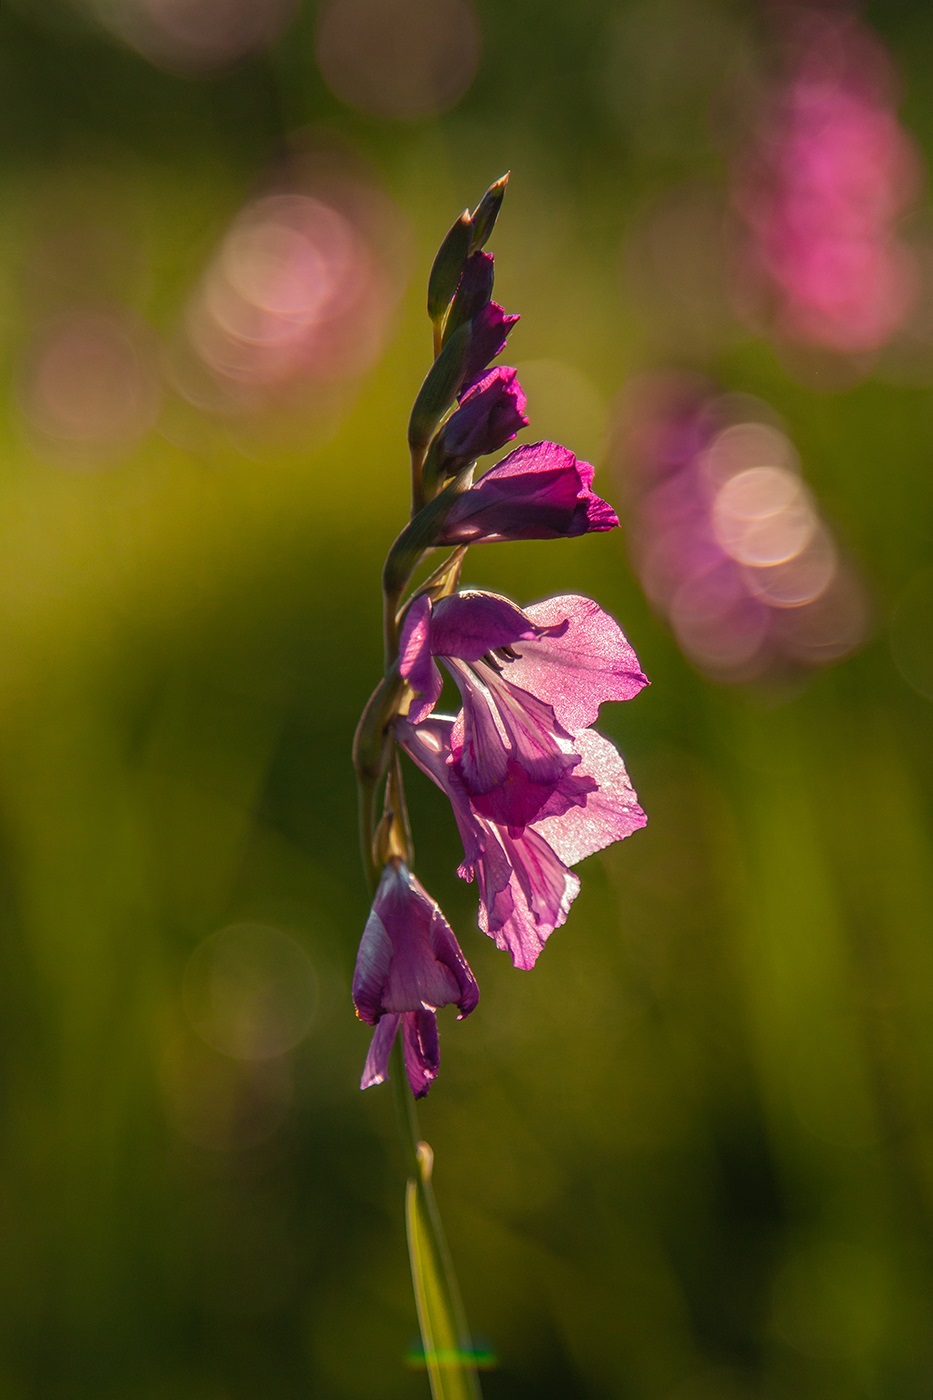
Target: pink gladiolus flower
409,964
526,886
529,680
538,492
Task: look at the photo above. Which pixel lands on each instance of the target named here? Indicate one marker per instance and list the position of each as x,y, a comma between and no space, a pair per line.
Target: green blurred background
690,1157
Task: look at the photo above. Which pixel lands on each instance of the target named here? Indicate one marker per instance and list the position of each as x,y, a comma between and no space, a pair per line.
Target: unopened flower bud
448,265
487,212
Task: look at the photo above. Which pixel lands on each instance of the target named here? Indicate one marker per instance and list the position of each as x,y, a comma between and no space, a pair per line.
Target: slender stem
366,801
390,604
457,1365
417,481
407,1112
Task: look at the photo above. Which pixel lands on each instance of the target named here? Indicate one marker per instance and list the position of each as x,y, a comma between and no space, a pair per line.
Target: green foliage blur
690,1156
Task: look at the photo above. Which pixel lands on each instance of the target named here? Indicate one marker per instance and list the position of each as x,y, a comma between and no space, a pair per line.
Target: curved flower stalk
533,788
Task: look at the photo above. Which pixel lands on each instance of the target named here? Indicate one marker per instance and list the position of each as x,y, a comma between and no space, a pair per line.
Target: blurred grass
692,1155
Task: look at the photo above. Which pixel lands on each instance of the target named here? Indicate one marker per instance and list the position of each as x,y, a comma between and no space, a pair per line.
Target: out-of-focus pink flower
526,886
821,187
90,387
298,295
726,537
409,964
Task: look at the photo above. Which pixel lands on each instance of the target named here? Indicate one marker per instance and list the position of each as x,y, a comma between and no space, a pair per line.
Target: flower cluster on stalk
533,787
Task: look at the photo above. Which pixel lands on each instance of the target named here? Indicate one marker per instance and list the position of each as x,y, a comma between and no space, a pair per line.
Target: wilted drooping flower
727,538
821,188
526,886
409,964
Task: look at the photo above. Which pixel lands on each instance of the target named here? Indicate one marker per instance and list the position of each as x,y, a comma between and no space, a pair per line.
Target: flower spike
533,788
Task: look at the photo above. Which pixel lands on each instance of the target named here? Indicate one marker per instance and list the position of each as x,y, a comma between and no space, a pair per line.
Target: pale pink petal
609,813
575,669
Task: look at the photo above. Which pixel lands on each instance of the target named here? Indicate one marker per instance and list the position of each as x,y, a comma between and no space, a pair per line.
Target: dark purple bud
473,293
491,412
538,492
491,327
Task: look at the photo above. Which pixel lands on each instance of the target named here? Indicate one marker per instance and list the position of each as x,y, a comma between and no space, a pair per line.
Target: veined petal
479,739
509,750
448,953
408,965
575,667
420,1049
610,813
543,890
525,884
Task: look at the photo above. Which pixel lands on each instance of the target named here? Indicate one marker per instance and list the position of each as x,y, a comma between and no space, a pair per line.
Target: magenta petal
476,283
416,663
508,749
447,951
479,751
421,1049
542,889
376,1068
408,957
372,969
491,329
525,884
576,667
409,964
491,412
468,625
539,491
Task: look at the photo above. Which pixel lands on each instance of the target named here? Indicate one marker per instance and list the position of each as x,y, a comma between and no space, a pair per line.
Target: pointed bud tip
448,265
487,211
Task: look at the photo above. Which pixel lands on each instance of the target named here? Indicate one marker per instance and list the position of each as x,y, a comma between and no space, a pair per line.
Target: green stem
366,802
391,598
417,481
445,1337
